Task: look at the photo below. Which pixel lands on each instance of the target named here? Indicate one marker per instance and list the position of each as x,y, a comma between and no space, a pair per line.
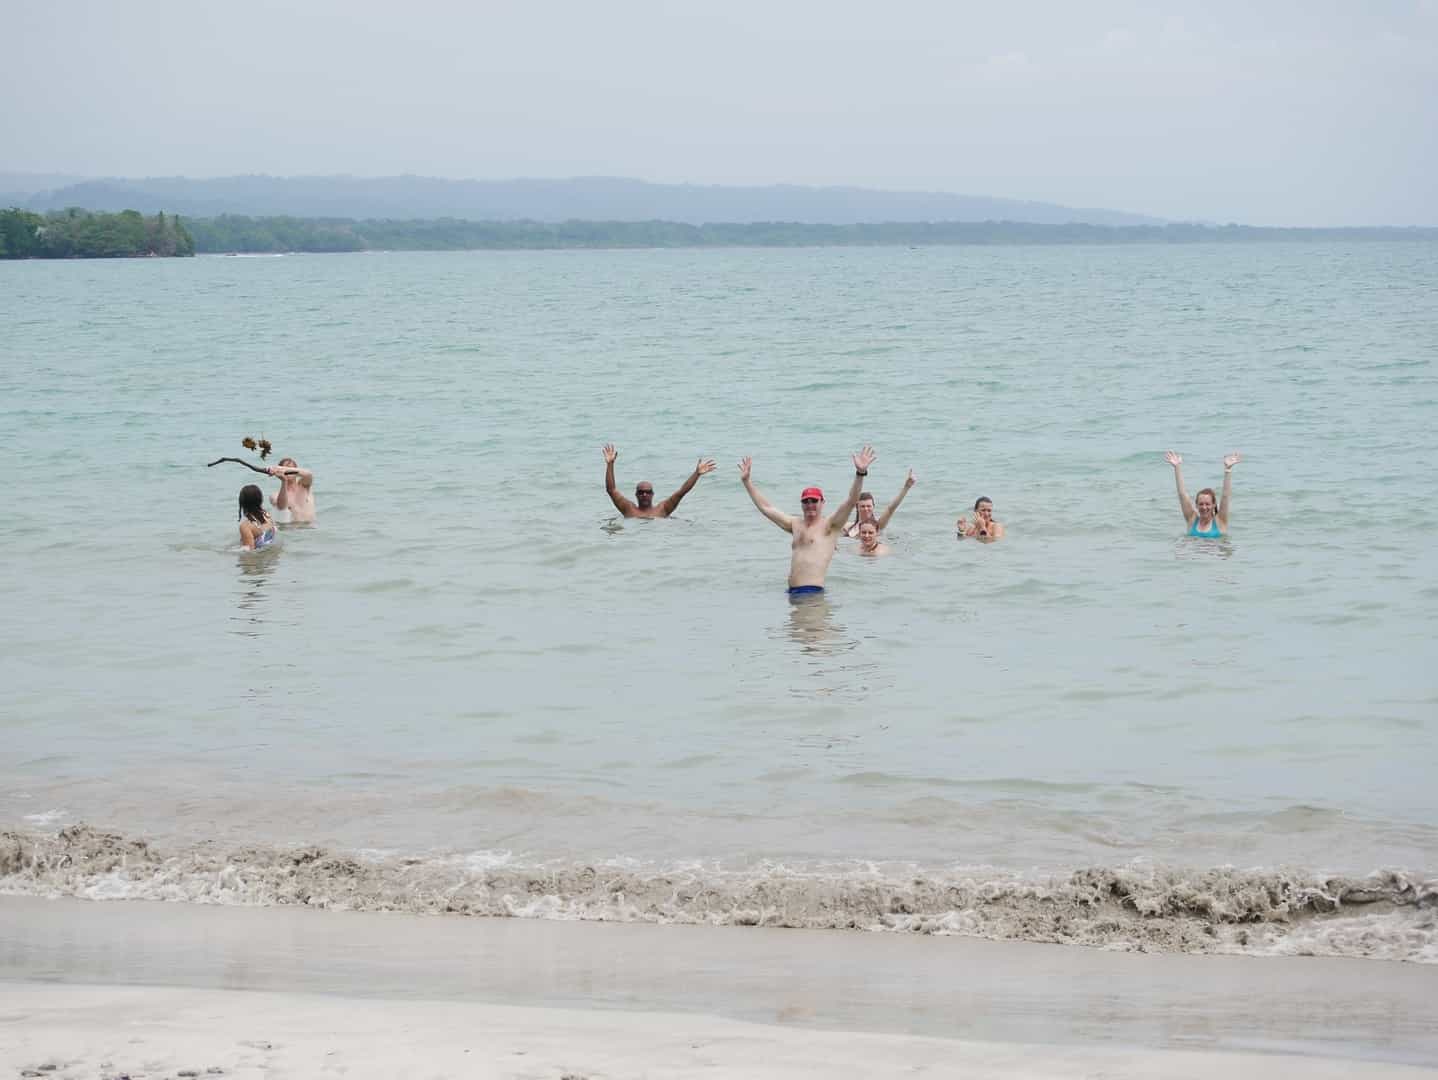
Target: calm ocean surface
470,664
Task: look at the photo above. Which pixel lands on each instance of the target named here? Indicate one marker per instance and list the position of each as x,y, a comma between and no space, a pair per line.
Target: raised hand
1173,459
911,479
1232,459
746,466
706,465
864,458
609,453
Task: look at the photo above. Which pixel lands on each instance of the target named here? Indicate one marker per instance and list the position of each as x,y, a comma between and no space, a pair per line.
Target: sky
1272,112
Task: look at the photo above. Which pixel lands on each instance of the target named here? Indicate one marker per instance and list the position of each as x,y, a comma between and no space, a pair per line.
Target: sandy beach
144,989
87,1031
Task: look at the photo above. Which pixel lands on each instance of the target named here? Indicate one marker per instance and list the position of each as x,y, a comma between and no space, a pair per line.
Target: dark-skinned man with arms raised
643,505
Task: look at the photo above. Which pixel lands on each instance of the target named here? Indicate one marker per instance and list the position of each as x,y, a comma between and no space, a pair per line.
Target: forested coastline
83,234
239,234
78,233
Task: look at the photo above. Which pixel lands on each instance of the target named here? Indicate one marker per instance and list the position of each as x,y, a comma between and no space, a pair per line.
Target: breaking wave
1388,914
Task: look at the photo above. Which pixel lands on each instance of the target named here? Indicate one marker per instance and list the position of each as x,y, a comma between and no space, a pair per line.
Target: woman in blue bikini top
1206,514
257,528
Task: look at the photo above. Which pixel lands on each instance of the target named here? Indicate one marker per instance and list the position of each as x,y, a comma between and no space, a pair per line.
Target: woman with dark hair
983,527
257,528
1205,514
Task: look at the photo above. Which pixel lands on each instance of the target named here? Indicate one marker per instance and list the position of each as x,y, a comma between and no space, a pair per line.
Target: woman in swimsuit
983,527
257,528
1206,514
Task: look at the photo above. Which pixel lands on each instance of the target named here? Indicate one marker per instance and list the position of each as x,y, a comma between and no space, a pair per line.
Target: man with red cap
815,536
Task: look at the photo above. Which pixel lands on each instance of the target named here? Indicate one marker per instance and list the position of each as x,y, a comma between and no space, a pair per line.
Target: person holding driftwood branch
295,493
296,490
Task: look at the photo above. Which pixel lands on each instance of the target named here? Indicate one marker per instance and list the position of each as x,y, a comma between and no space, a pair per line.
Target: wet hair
862,496
252,504
289,461
980,500
1210,493
872,524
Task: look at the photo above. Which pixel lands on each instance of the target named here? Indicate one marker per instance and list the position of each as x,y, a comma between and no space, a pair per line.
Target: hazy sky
1262,111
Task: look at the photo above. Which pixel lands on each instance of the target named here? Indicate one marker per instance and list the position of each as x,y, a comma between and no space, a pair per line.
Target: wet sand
159,988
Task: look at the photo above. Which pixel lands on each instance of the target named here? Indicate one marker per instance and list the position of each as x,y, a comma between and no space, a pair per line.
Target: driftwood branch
246,464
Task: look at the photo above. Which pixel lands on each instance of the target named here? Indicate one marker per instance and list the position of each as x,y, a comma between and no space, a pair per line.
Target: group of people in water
295,495
815,534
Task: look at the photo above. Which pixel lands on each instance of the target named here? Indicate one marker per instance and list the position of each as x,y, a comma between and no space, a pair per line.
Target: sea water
472,687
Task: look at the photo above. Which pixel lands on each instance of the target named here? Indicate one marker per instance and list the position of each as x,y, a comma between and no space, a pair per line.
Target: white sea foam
46,817
1386,915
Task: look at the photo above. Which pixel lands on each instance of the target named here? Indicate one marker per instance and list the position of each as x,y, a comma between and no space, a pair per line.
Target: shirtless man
869,543
644,492
815,537
865,510
983,528
295,494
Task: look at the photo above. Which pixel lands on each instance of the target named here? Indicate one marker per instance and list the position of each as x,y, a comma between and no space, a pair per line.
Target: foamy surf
1388,914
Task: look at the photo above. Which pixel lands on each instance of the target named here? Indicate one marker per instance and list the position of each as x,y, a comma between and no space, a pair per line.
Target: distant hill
17,188
593,198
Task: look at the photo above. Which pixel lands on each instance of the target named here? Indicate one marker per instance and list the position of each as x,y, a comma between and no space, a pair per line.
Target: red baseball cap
812,493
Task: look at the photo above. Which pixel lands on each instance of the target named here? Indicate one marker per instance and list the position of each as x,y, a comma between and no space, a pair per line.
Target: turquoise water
469,657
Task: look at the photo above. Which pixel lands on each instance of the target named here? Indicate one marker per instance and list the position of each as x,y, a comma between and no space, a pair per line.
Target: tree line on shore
81,234
236,233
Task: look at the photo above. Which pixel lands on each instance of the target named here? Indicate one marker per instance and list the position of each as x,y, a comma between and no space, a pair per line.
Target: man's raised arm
623,505
862,460
778,517
909,482
671,504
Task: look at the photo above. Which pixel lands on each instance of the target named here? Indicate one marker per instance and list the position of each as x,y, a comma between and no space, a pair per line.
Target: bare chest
813,536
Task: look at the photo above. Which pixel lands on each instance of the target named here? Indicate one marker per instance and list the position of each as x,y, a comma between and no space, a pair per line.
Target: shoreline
829,996
1383,915
74,1033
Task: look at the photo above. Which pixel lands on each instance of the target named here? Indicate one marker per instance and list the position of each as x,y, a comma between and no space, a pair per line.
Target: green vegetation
80,234
232,233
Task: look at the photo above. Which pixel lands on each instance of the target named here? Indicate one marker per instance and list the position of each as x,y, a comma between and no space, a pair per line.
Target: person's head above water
1206,503
252,503
984,512
868,535
864,508
812,500
644,495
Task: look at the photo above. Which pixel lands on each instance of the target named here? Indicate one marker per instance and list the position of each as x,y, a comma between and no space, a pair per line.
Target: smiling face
984,511
1205,504
813,508
868,536
644,495
866,507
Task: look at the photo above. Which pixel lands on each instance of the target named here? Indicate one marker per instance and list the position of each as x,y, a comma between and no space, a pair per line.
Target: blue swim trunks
805,590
